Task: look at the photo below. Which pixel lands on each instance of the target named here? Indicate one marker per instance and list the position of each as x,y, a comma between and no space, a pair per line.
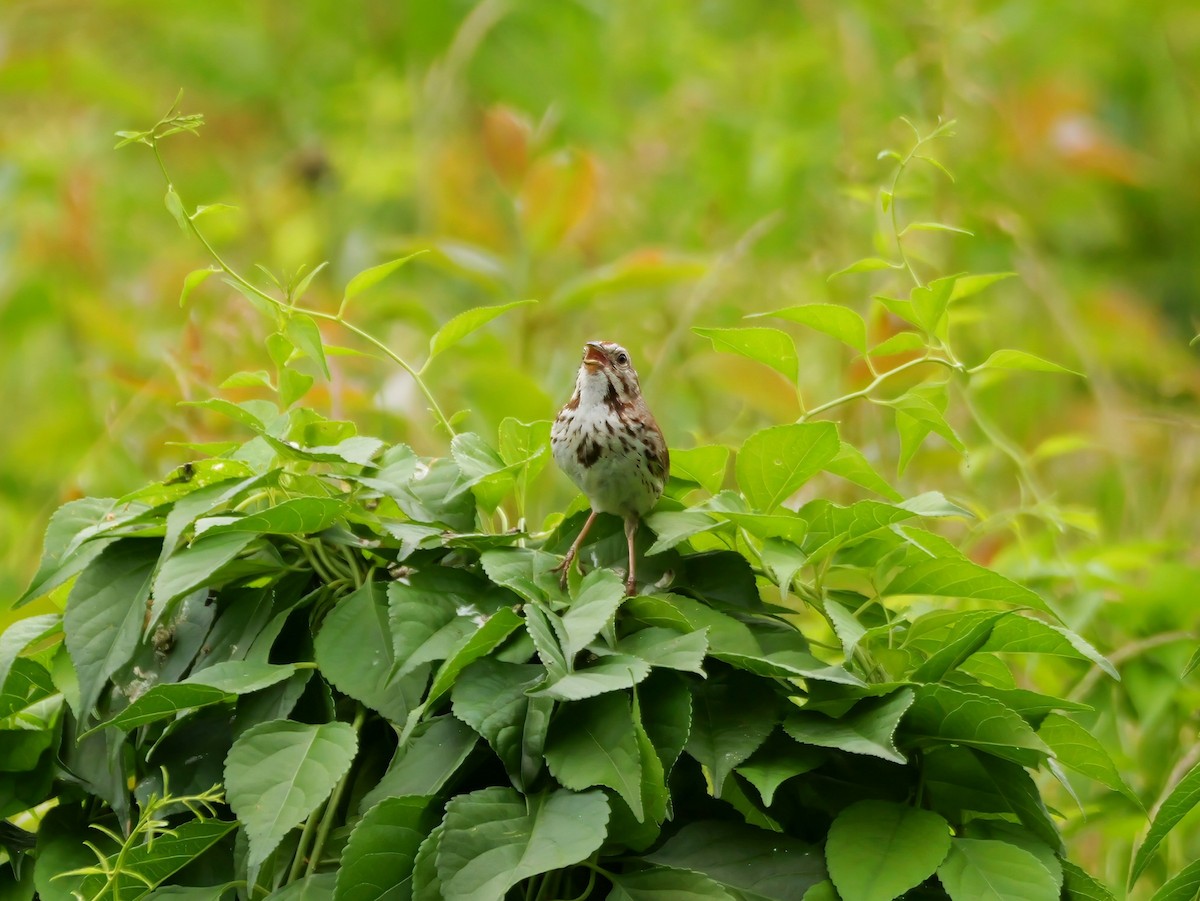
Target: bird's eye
622,359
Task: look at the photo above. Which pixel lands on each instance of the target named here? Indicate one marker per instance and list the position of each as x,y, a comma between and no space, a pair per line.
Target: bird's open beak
593,356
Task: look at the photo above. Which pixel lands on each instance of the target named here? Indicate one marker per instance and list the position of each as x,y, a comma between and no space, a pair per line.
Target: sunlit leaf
766,345
869,264
1019,360
368,278
840,322
465,323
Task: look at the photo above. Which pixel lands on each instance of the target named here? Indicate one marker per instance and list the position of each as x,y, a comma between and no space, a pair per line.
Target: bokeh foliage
640,172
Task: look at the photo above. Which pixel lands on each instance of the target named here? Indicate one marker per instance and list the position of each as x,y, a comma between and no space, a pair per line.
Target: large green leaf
487,638
592,608
753,861
1183,886
431,612
278,773
62,555
869,728
1078,749
731,717
837,321
216,684
377,862
776,761
494,838
298,516
1079,886
195,566
611,672
491,696
877,850
667,648
960,578
426,762
982,870
945,714
354,651
705,465
766,345
775,462
593,742
103,620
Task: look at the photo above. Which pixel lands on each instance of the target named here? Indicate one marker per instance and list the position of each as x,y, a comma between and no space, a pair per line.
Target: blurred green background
639,169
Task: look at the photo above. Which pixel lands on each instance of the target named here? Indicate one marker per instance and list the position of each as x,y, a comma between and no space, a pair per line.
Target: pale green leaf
769,346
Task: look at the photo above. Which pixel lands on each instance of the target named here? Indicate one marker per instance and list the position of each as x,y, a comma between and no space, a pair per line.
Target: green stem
875,383
310,826
335,801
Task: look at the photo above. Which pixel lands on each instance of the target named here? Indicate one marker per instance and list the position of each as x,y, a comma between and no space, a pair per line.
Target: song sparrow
606,440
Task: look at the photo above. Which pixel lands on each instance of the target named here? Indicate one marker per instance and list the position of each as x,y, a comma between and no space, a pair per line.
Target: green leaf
929,302
257,379
1018,359
878,850
868,264
774,462
667,648
216,684
156,862
837,321
1180,800
63,553
674,527
195,566
956,648
175,208
770,346
426,886
303,331
593,742
899,343
982,870
731,718
705,465
486,639
377,863
300,287
494,838
748,860
851,465
300,516
923,411
1026,635
466,322
613,672
935,227
665,884
944,714
426,762
967,285
354,651
869,728
315,887
23,633
594,605
193,280
278,773
206,209
432,612
960,578
103,619
1079,886
370,277
777,761
491,697
1183,886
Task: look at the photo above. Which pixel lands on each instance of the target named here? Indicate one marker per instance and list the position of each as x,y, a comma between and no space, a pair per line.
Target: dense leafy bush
315,665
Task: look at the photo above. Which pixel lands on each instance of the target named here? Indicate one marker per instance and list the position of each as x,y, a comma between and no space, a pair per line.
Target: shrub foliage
315,665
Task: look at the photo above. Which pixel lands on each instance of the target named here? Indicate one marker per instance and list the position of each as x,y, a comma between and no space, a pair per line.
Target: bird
608,443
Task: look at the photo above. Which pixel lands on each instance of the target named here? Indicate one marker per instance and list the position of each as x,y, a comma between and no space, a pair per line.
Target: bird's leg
631,527
565,567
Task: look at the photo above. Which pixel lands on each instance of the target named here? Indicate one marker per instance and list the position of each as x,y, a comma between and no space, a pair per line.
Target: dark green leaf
869,728
170,852
494,838
426,762
948,714
377,863
593,742
731,718
759,863
103,620
666,884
